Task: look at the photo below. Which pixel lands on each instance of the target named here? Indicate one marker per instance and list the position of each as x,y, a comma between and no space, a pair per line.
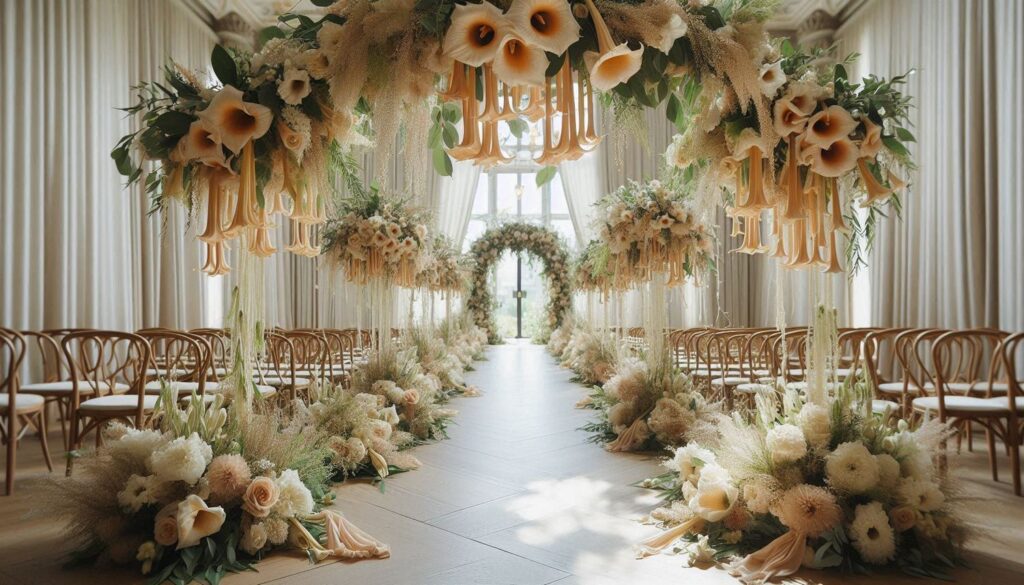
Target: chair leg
12,449
43,441
991,440
1013,442
63,412
73,442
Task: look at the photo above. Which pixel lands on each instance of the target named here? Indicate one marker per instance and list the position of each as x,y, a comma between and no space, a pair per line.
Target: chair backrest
912,348
178,356
879,351
963,356
851,345
758,351
54,368
1008,352
12,352
220,351
101,359
310,351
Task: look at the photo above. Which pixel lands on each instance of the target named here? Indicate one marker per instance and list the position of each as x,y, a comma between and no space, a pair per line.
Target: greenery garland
519,237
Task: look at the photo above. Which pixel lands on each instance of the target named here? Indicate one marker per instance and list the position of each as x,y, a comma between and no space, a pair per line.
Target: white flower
786,443
759,493
852,468
277,530
715,494
254,539
390,415
294,87
183,459
295,498
772,78
689,460
137,492
701,553
673,29
196,520
816,423
872,535
921,494
135,444
888,470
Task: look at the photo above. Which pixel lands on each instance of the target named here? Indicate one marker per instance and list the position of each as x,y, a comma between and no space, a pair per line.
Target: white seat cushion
22,402
183,388
1002,401
897,387
118,402
761,373
176,372
285,381
64,387
967,404
729,381
802,385
749,388
979,387
881,406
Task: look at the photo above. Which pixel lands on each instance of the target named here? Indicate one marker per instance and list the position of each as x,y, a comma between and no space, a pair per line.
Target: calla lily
237,121
789,118
829,125
611,64
673,30
713,500
196,521
546,24
875,190
836,159
294,87
202,143
772,78
292,140
872,142
518,63
379,463
475,32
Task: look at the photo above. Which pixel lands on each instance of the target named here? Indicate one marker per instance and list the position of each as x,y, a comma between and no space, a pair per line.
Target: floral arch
520,237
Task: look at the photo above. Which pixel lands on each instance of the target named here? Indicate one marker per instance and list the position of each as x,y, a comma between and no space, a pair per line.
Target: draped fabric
77,248
583,184
953,260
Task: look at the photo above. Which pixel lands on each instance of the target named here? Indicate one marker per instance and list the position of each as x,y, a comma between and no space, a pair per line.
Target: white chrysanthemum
688,461
809,509
918,465
786,443
277,530
295,498
921,494
138,445
137,492
254,539
852,468
872,535
183,459
816,423
888,470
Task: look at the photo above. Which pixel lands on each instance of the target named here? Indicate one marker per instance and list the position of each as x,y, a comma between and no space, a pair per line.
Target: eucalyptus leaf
442,163
546,174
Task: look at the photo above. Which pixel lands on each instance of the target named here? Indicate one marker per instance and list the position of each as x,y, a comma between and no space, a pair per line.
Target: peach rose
260,497
411,397
903,518
165,528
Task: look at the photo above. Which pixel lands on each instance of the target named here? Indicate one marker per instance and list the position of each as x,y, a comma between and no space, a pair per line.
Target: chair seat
897,388
65,387
211,394
979,387
23,402
964,404
118,402
882,406
174,373
761,373
278,381
730,381
183,388
751,388
802,385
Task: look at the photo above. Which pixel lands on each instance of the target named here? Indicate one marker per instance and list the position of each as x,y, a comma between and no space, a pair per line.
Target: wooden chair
280,371
100,360
953,356
220,354
1007,354
55,385
180,360
882,366
17,413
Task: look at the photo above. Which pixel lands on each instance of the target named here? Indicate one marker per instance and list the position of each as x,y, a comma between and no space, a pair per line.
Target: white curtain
954,258
456,201
584,184
78,249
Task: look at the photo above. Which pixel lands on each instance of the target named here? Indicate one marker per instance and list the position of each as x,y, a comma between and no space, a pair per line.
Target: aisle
515,496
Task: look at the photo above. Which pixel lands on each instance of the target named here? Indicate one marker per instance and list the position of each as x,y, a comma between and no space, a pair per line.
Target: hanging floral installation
519,237
445,271
799,153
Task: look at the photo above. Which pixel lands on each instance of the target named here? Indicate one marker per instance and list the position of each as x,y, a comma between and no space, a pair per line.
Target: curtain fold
583,184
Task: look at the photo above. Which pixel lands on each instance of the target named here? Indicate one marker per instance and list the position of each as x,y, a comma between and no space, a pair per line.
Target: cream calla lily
294,87
829,125
789,118
546,24
237,120
672,31
196,520
713,500
518,63
202,143
836,159
772,78
475,32
872,142
612,64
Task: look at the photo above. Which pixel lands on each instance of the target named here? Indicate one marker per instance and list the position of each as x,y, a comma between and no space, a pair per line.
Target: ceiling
261,13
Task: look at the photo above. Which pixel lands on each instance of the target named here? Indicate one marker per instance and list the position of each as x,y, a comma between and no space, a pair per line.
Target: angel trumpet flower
547,156
470,138
872,141
798,256
569,144
547,24
612,64
756,199
238,122
518,63
876,191
273,191
216,261
535,110
791,183
300,245
752,235
507,111
838,222
829,125
260,245
245,205
456,83
592,136
214,231
836,159
491,111
834,265
490,152
474,33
